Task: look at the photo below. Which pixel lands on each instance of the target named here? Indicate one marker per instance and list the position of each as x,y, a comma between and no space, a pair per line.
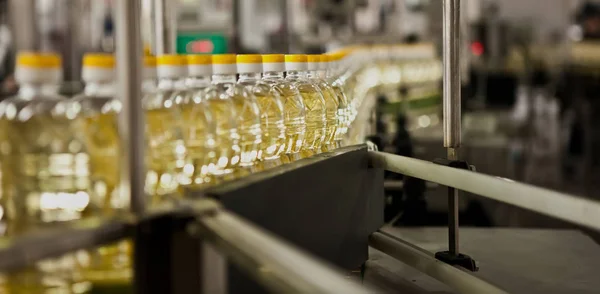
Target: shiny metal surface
563,206
164,26
425,262
451,60
452,112
131,120
271,261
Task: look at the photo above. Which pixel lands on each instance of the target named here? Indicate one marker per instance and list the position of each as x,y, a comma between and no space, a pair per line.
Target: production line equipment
292,228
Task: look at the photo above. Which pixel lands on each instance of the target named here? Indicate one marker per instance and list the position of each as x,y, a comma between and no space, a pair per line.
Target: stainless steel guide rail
269,260
274,263
457,279
563,206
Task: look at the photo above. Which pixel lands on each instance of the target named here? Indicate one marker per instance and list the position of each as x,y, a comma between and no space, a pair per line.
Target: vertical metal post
131,120
452,88
25,33
164,27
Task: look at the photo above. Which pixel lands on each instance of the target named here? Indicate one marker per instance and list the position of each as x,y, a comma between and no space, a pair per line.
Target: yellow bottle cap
199,59
295,58
39,60
223,59
273,58
150,61
171,59
325,58
103,60
313,57
249,58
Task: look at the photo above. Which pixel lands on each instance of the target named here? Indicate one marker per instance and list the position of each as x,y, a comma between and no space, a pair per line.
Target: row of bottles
209,119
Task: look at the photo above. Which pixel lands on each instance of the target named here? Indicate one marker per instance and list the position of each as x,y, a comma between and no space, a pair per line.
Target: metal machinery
273,231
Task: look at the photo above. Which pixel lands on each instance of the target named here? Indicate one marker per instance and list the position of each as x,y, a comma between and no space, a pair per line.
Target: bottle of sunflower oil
219,99
316,117
98,111
294,111
331,102
246,111
343,112
45,168
166,153
198,126
249,67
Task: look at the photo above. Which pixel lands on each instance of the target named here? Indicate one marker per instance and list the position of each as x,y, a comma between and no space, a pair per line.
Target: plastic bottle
45,168
343,112
316,120
198,127
249,67
98,112
294,110
219,98
166,154
331,102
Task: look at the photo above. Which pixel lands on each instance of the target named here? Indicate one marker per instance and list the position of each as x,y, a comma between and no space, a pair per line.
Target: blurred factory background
530,73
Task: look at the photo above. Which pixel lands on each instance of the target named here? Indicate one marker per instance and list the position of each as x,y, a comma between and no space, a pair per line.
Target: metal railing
563,206
275,264
424,261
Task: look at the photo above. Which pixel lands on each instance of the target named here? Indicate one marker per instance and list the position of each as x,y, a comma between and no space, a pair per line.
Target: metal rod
129,60
451,60
164,27
272,262
17,253
425,262
567,207
451,39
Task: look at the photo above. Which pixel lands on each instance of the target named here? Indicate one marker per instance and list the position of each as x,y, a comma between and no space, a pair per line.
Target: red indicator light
200,46
477,48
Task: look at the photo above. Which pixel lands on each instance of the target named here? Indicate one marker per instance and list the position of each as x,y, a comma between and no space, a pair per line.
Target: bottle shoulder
228,91
18,108
260,88
92,104
305,85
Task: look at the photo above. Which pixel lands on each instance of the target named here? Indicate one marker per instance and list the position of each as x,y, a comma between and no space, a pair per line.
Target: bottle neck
322,73
29,91
197,82
295,74
223,78
100,89
171,83
250,76
312,74
273,75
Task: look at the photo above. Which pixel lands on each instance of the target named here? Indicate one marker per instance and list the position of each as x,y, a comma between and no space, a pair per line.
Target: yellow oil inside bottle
248,122
294,118
316,120
272,126
343,114
199,137
46,181
166,153
331,114
227,138
107,264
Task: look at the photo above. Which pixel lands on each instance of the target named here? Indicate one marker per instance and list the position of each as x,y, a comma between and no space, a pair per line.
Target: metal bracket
461,260
451,258
460,164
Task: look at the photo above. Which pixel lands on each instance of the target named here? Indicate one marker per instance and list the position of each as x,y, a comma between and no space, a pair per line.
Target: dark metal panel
328,205
167,257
